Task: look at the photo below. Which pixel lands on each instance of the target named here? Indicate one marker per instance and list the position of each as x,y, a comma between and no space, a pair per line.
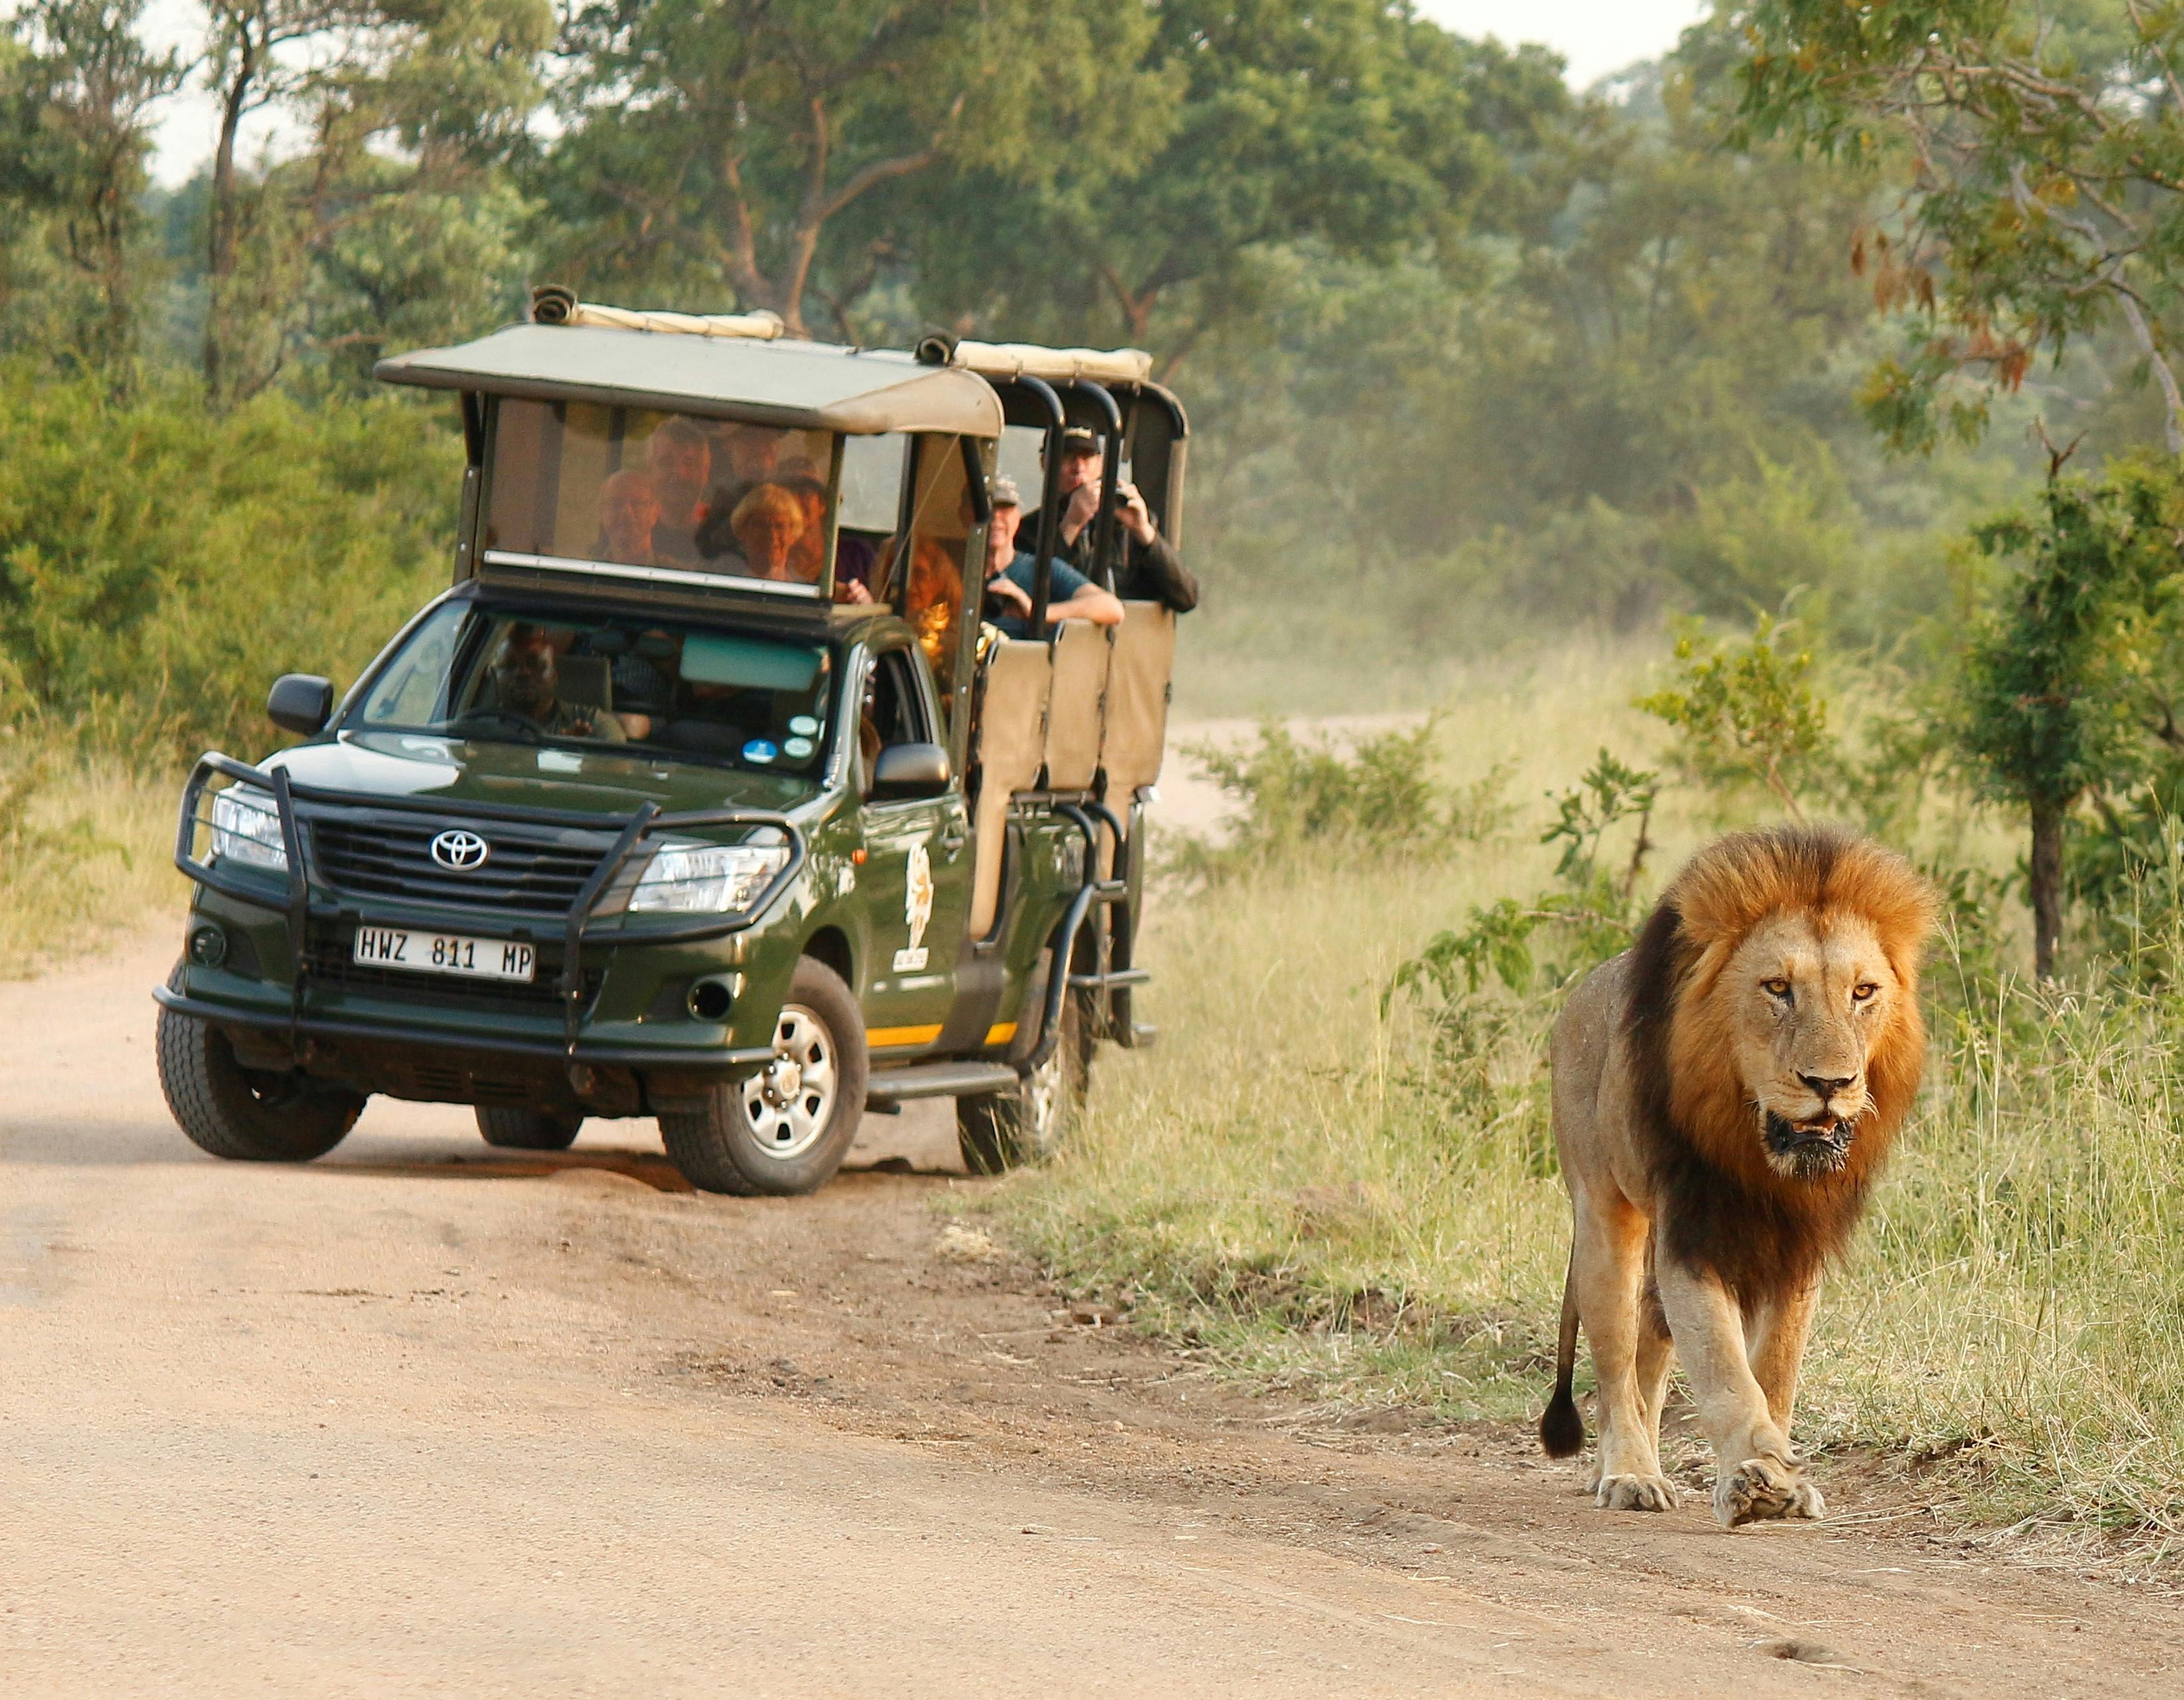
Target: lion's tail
1562,1429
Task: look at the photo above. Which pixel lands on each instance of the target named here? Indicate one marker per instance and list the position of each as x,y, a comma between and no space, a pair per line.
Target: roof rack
553,305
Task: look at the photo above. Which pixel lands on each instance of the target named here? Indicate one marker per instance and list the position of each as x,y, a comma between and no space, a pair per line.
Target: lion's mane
1722,1208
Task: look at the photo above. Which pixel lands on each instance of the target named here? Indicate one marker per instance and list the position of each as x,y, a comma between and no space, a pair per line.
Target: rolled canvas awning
793,384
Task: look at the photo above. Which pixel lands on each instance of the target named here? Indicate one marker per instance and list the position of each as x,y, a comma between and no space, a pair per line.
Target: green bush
160,563
1382,797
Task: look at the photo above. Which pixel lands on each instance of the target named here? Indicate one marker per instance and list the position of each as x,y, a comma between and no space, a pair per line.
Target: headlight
246,827
706,880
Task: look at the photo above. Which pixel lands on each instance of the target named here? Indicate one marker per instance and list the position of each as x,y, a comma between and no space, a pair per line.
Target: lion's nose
1827,1085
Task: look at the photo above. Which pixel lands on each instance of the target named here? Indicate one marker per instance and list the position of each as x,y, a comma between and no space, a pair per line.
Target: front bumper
319,1022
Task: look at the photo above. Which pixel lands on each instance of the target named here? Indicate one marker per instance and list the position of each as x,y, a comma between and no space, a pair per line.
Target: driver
526,683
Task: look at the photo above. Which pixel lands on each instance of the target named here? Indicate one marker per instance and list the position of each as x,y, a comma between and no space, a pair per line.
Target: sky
1596,37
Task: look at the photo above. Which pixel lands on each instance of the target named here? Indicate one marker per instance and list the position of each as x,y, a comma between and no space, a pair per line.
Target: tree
2050,700
412,112
82,99
2044,149
726,147
1352,126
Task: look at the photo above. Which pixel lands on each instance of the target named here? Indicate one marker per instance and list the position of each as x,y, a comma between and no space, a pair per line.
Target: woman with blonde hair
768,523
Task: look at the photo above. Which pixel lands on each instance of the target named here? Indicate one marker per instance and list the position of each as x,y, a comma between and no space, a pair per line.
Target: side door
915,884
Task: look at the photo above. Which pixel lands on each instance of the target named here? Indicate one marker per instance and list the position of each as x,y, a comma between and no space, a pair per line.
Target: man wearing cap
1152,569
1010,575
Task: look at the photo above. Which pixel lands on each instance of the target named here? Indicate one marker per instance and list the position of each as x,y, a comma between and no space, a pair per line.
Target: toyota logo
463,852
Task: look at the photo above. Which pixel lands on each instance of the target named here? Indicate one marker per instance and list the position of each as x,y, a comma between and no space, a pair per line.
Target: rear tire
784,1130
999,1131
516,1129
245,1115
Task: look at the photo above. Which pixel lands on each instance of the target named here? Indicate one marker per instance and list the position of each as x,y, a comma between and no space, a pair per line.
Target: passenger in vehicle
629,515
849,585
1152,569
744,456
1010,576
680,458
526,681
768,525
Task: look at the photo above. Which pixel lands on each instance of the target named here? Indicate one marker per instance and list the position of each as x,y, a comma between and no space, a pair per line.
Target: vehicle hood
458,771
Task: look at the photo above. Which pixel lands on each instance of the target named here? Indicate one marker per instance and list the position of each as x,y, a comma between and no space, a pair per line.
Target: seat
587,681
1011,744
1072,712
1134,735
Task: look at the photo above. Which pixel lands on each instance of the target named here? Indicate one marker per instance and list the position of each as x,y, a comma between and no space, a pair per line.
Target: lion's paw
1761,1489
1634,1493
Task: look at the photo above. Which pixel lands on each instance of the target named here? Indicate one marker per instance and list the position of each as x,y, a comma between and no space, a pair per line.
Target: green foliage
757,153
1355,127
1486,990
1382,797
1748,715
2048,685
159,564
2048,144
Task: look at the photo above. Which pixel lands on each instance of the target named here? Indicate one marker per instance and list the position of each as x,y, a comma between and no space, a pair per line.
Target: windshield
572,481
636,682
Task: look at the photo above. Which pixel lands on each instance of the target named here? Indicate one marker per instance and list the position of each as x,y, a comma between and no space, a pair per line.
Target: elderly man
526,682
629,518
1152,569
680,456
1010,573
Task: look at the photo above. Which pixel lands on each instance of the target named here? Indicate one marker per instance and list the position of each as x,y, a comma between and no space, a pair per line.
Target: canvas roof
797,385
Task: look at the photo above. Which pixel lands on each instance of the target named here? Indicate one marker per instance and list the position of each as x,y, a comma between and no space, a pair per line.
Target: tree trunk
2046,886
224,228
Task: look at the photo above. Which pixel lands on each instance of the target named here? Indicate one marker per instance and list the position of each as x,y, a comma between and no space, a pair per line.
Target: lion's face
1806,1003
1793,1044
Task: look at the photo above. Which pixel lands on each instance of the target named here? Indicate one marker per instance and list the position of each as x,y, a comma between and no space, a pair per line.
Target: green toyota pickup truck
704,793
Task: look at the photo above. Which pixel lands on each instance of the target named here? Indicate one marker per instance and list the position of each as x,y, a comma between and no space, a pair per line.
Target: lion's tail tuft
1562,1429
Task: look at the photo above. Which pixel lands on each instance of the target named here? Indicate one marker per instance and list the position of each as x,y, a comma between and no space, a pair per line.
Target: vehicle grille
329,962
522,876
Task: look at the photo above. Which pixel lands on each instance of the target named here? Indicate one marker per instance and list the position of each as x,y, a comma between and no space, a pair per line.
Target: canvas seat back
1011,747
1073,704
1134,727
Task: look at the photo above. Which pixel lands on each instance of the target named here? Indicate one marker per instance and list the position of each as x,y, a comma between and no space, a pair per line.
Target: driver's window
892,712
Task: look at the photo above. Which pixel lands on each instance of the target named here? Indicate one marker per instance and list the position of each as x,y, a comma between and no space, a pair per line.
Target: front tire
515,1129
245,1115
784,1130
999,1131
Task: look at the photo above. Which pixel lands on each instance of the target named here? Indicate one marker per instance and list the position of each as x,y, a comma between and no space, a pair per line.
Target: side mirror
300,702
911,770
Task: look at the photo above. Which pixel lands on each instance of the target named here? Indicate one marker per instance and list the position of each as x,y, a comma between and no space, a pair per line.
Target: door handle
953,842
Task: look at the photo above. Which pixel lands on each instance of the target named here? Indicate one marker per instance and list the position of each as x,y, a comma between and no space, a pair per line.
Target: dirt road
422,1418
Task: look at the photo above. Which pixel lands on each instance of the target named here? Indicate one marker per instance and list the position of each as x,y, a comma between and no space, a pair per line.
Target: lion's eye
1861,991
1777,987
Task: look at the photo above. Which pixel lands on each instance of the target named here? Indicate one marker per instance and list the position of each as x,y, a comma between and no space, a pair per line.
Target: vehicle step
1113,977
950,1079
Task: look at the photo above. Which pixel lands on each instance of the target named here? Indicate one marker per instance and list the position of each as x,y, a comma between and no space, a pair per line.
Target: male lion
1724,1094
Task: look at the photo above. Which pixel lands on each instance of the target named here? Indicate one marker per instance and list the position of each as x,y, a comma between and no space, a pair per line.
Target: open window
925,580
892,712
643,492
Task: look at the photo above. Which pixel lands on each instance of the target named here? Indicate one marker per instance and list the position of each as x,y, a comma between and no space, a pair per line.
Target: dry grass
1284,1181
85,853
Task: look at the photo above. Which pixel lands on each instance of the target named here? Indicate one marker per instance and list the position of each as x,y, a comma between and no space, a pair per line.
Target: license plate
445,953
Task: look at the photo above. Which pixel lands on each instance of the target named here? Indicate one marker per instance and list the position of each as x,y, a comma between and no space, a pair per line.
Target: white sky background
1596,37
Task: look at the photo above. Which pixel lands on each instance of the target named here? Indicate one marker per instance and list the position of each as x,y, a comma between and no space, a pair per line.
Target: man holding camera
1151,570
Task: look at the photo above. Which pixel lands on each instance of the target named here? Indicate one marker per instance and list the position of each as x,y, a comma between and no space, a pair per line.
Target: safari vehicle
652,814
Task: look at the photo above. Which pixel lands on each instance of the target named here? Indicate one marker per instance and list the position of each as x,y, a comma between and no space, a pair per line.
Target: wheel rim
790,1102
